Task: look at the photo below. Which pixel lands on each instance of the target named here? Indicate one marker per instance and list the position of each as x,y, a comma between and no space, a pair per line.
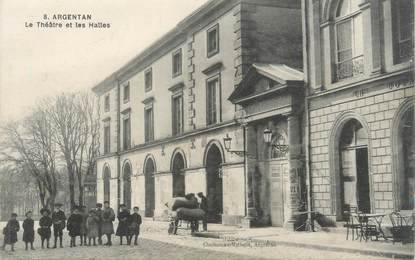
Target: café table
364,218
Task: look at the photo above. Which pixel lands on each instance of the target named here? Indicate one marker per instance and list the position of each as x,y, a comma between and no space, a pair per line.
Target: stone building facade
359,73
166,113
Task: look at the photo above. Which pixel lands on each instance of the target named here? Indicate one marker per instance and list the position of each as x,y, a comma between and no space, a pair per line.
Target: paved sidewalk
321,240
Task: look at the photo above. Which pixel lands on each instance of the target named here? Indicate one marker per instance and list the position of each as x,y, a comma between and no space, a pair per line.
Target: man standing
108,216
204,207
98,213
58,220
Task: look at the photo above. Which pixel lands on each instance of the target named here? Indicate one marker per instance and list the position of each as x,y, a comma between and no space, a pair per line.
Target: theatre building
210,107
360,80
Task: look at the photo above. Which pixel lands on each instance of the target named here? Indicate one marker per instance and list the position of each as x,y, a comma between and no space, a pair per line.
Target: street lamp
267,135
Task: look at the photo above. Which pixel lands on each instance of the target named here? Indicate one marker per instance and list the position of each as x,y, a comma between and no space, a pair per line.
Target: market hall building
359,66
211,107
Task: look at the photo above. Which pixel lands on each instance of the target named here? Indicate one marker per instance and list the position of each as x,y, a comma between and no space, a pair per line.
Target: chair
351,222
368,228
402,227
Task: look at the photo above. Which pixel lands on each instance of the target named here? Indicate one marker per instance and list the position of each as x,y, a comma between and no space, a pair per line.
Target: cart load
182,202
190,214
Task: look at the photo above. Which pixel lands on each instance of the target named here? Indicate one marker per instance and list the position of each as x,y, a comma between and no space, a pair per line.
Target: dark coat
83,226
74,225
92,226
123,223
10,231
58,219
135,222
108,216
44,227
28,230
203,204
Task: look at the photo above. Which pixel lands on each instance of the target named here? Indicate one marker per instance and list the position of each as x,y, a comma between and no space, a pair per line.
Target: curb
388,254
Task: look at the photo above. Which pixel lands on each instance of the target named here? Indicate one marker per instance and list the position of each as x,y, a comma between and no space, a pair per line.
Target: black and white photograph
207,129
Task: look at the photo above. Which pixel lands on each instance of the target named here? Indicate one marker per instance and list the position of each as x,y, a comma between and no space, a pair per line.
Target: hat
106,202
122,205
99,205
44,210
58,204
14,215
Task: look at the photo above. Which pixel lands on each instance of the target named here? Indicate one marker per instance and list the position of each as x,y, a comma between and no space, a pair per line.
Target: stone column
294,163
250,148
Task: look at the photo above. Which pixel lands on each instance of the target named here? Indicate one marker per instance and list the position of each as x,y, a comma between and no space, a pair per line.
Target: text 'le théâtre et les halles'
67,21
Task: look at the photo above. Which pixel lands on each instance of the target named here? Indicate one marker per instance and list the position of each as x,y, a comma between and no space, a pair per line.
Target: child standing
28,230
84,213
135,222
92,227
45,223
74,226
10,232
123,224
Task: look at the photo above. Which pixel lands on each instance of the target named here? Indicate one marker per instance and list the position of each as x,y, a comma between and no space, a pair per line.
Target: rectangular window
213,40
213,100
126,93
177,63
177,110
148,79
403,30
149,124
127,133
349,48
107,103
107,138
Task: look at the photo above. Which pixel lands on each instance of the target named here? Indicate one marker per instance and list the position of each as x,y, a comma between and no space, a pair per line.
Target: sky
37,62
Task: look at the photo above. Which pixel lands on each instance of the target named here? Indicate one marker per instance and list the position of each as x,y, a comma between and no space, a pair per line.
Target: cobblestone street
155,243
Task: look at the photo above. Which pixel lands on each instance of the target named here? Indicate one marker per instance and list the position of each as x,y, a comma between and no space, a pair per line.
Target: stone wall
377,111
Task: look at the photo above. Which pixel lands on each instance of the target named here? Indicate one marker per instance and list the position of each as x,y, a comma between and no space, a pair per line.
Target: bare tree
29,146
76,129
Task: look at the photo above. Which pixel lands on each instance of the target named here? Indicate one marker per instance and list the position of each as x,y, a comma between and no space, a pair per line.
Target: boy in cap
45,223
98,213
134,229
84,214
58,219
10,232
74,226
28,230
108,216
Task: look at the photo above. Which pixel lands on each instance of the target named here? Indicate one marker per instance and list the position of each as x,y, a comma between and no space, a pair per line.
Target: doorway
149,187
354,166
214,184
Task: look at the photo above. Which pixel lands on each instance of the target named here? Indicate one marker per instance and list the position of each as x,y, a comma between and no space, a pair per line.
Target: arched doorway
404,157
214,184
106,178
178,175
149,186
127,185
354,167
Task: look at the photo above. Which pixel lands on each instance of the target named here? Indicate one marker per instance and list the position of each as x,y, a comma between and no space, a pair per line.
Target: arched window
127,185
106,178
349,39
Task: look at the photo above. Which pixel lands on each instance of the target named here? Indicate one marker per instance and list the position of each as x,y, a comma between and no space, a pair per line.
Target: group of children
91,225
